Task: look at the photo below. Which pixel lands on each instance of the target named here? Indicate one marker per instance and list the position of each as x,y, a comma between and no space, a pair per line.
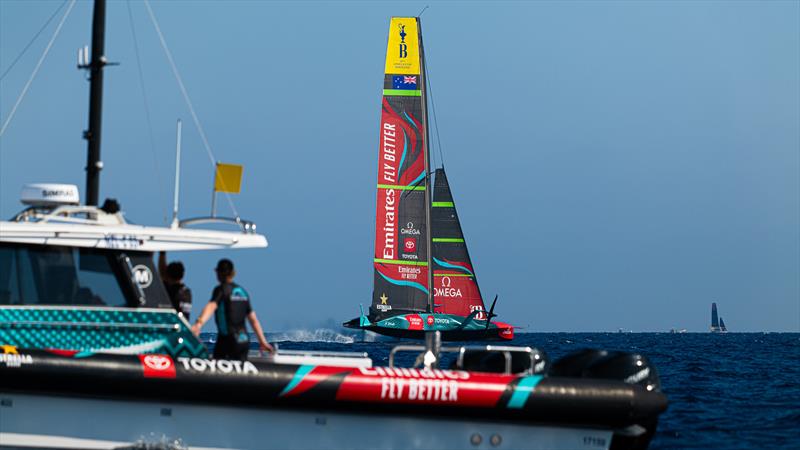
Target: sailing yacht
424,279
92,355
717,324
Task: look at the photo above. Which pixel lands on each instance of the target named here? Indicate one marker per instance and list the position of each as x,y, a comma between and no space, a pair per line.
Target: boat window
42,275
9,281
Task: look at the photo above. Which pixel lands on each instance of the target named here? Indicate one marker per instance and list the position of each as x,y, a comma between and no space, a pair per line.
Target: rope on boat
433,110
186,98
160,183
33,39
36,69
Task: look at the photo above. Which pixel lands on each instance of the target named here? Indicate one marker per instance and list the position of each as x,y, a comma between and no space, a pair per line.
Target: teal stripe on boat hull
523,391
302,371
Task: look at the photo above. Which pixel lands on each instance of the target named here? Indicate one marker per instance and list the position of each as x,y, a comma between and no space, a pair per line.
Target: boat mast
428,186
92,135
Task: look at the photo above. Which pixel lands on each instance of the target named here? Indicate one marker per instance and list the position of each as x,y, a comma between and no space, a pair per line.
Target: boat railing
505,350
462,351
245,226
171,328
323,353
314,357
416,348
72,214
93,215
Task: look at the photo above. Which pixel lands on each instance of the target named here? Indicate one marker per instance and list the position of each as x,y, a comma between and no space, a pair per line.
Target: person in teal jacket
230,306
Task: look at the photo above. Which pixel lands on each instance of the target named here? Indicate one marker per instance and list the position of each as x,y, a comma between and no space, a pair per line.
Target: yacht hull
452,327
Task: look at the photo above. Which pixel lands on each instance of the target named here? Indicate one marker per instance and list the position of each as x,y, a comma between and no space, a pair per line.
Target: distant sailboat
717,324
714,319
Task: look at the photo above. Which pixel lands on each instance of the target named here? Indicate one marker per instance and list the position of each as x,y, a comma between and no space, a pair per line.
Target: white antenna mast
177,177
83,57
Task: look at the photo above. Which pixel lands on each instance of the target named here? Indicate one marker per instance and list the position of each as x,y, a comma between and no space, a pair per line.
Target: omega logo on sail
446,290
409,229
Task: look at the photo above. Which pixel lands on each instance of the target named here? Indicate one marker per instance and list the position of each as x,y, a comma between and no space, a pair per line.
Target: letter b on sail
402,53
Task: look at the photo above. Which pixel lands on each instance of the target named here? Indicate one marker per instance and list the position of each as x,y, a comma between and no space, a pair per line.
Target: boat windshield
56,275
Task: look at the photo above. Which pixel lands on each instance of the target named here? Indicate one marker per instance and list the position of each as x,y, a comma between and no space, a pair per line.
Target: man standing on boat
179,294
230,305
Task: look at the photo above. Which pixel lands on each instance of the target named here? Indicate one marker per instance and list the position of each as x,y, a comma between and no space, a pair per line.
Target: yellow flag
228,178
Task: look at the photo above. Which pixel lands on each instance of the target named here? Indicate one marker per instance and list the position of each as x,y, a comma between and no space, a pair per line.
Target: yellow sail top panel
402,52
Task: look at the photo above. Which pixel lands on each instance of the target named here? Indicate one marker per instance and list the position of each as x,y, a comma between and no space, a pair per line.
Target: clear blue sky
615,164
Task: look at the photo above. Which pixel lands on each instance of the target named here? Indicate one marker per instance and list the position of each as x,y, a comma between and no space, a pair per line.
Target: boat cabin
65,266
56,252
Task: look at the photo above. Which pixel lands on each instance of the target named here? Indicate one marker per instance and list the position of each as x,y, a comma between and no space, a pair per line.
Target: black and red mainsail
401,240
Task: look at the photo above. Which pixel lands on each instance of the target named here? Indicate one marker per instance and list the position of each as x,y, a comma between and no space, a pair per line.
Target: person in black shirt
172,274
230,305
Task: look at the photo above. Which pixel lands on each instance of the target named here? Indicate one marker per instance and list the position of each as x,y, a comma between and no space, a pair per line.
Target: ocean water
727,391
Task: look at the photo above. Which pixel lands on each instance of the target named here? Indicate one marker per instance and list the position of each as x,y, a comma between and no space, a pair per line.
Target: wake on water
318,335
321,335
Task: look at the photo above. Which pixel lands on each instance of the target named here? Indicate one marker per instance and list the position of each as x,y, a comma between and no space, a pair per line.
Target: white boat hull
36,421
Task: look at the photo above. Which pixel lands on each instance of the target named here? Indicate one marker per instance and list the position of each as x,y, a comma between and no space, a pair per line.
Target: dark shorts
228,348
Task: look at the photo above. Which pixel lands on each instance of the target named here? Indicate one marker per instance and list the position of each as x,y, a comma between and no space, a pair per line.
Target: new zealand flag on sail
404,82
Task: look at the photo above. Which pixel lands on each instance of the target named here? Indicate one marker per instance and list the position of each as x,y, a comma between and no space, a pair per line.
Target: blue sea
728,391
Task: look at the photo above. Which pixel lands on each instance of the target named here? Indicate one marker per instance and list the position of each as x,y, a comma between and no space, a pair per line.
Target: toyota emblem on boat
157,362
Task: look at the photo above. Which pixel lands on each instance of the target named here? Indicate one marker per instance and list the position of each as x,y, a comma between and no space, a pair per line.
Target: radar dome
50,194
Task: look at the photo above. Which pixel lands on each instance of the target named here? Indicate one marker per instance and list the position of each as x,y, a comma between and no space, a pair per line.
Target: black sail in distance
714,318
456,288
400,261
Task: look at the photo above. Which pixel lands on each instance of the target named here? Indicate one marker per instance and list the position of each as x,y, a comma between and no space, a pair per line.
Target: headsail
455,284
722,326
400,260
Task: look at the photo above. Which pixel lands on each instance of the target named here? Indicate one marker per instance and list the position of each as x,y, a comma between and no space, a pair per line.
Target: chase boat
92,356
